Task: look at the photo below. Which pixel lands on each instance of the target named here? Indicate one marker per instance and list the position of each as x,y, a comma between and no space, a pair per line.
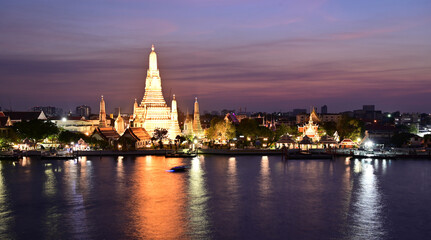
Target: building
102,114
330,117
324,109
310,130
76,124
297,111
119,123
49,111
197,128
83,111
153,112
135,138
368,114
303,118
5,124
193,126
25,116
107,134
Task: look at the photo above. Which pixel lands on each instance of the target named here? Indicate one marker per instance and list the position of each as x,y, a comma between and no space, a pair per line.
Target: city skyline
272,56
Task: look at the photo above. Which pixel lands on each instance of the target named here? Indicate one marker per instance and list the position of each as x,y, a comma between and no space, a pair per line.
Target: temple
193,126
310,129
197,128
153,112
102,114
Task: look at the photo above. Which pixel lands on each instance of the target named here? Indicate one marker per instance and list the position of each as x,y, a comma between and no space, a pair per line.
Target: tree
5,144
160,134
413,129
68,137
401,139
329,127
221,130
247,128
36,130
349,127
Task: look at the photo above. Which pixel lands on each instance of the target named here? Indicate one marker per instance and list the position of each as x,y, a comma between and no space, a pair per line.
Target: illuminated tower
153,112
197,128
102,113
175,128
135,106
119,123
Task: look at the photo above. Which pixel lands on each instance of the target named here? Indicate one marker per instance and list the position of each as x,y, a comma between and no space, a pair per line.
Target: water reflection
198,200
245,197
265,177
5,217
76,215
157,206
367,207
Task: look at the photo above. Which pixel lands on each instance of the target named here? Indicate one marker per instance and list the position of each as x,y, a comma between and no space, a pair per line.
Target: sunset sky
263,55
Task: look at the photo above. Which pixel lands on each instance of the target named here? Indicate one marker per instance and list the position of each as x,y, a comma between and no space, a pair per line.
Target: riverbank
290,154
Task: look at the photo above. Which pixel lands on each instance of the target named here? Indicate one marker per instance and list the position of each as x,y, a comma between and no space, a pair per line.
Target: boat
178,169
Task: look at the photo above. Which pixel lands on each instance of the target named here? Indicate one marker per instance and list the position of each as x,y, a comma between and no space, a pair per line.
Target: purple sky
263,55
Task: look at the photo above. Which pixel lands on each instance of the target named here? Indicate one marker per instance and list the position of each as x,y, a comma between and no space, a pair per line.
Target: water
243,197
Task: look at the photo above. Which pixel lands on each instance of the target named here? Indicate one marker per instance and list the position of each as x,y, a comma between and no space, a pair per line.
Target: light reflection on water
367,221
245,197
198,200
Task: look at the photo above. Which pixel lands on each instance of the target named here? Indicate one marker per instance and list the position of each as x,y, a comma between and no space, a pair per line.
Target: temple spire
197,128
153,59
102,113
119,123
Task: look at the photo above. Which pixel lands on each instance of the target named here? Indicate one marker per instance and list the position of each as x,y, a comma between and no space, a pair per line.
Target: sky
260,55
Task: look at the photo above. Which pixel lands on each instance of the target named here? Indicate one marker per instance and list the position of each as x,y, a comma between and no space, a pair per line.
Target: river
219,197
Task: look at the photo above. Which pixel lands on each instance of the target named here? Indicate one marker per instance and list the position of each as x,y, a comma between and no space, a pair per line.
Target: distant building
369,108
324,109
193,126
25,116
49,111
330,117
299,111
83,111
76,124
368,114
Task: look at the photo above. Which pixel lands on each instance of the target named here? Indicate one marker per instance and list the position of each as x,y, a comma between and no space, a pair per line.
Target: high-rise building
368,108
153,112
324,109
83,111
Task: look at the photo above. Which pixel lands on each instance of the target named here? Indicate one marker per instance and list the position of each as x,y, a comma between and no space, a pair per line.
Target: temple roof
107,132
327,140
25,116
286,139
138,134
314,116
